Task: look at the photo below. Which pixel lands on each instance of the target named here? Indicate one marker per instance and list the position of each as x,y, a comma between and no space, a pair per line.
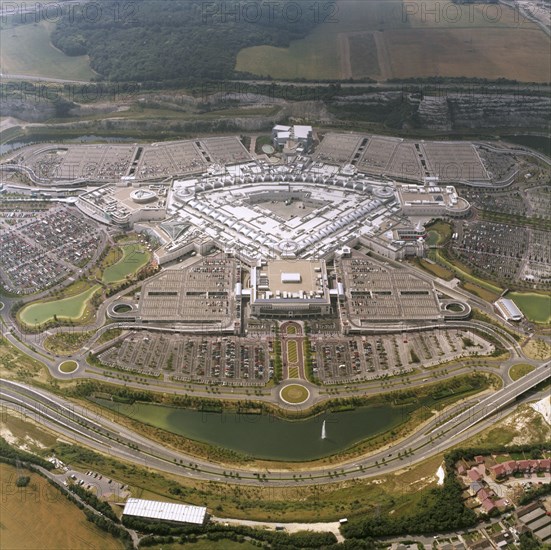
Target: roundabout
294,394
1,306
68,367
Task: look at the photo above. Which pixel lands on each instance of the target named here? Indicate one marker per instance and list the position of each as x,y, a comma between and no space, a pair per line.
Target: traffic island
294,394
68,367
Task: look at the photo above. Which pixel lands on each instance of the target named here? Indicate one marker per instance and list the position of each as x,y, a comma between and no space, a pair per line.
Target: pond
67,308
266,436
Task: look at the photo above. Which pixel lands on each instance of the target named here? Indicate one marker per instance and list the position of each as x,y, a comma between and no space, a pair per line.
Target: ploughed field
384,39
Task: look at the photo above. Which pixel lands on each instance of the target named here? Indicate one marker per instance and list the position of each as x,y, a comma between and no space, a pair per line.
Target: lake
266,436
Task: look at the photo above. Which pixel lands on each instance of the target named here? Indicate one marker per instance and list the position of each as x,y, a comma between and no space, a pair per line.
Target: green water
536,307
68,308
266,436
134,258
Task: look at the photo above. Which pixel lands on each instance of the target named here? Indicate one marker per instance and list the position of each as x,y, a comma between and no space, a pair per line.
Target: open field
537,349
134,257
536,307
325,52
439,233
385,39
15,364
26,49
523,426
72,308
487,295
39,516
66,343
435,269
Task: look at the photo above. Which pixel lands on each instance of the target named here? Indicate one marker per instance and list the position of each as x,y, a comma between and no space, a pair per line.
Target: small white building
508,310
302,135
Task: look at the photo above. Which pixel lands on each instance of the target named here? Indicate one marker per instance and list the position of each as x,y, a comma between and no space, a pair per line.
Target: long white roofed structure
165,511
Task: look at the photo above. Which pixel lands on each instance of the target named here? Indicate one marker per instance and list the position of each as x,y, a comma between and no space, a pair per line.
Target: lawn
518,371
293,372
26,50
536,307
40,517
292,351
294,393
134,257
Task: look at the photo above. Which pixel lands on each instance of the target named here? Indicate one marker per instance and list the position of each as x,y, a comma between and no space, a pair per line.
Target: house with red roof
483,495
511,467
474,474
498,471
488,506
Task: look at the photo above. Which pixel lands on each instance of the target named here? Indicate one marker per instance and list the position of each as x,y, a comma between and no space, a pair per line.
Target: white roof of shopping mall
168,511
287,211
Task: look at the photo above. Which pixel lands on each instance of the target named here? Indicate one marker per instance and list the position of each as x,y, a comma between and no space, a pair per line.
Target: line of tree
10,455
91,499
454,386
278,360
309,360
216,531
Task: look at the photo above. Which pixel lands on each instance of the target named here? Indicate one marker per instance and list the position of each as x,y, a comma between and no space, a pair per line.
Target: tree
23,481
527,542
